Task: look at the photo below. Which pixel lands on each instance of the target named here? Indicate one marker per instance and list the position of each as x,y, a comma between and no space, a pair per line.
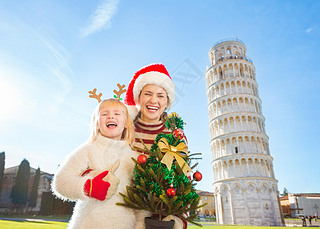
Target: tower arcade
245,187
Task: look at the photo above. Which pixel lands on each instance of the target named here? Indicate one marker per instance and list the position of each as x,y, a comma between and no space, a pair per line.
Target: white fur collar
101,140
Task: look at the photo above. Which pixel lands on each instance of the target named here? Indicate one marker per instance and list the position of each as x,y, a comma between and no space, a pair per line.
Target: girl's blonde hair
128,132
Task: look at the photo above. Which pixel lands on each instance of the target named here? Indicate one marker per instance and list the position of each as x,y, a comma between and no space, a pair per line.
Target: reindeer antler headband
93,93
120,92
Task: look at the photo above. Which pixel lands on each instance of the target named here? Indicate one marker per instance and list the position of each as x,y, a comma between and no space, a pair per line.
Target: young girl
98,170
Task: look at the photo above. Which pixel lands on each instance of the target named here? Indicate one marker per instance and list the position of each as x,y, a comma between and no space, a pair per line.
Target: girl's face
153,100
112,121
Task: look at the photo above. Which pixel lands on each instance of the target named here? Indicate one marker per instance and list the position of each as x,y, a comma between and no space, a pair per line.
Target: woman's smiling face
153,100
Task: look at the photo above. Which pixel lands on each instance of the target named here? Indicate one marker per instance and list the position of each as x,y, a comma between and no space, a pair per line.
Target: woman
152,90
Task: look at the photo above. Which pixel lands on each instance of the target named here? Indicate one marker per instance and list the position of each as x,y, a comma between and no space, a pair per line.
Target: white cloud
59,66
101,19
310,29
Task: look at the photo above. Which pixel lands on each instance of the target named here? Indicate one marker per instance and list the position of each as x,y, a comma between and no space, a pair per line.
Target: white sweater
68,184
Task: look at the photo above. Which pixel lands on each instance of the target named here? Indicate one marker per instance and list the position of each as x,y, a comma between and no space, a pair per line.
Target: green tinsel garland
174,122
155,177
169,176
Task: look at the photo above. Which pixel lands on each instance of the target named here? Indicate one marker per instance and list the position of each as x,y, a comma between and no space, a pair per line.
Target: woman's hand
178,223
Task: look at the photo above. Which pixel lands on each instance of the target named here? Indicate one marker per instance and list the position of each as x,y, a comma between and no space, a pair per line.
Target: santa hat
155,74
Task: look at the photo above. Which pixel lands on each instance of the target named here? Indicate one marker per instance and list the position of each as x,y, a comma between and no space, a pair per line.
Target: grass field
6,224
215,226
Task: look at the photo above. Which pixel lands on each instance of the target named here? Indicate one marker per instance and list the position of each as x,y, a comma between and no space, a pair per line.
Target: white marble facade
245,187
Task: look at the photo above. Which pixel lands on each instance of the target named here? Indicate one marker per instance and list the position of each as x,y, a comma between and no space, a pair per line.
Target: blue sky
53,52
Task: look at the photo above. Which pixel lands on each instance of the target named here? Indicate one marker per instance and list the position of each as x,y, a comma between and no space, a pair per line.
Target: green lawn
6,224
210,225
232,227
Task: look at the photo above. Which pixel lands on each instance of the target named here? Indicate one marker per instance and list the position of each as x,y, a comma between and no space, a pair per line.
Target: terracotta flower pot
157,224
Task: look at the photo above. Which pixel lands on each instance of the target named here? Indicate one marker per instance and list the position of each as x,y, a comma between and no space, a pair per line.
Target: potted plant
162,181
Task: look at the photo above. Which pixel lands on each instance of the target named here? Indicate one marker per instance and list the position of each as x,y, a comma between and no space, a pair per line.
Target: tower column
248,170
241,123
247,124
243,106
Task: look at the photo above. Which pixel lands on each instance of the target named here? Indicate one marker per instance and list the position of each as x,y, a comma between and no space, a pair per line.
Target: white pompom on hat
155,74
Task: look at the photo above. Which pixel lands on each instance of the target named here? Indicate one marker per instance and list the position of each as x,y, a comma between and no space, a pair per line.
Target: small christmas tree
161,184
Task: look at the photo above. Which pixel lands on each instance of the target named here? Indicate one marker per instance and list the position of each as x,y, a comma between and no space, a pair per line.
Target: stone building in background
8,182
307,204
245,187
46,204
285,205
206,198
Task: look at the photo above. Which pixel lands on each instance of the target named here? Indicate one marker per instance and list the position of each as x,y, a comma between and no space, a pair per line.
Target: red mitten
96,187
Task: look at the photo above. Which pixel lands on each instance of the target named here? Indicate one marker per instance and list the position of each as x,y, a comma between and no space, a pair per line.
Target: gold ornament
171,152
173,114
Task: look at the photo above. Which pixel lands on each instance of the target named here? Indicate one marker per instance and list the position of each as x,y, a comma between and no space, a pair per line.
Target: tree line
19,192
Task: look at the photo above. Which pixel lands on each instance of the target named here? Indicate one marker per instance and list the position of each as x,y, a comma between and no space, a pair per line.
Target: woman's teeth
152,108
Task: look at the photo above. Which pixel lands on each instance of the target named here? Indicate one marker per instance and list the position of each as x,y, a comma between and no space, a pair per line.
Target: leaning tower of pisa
245,187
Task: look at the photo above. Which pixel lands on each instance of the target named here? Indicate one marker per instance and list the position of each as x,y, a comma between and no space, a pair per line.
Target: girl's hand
97,187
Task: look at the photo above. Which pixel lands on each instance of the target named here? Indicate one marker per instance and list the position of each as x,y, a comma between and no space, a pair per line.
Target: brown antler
94,95
121,90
